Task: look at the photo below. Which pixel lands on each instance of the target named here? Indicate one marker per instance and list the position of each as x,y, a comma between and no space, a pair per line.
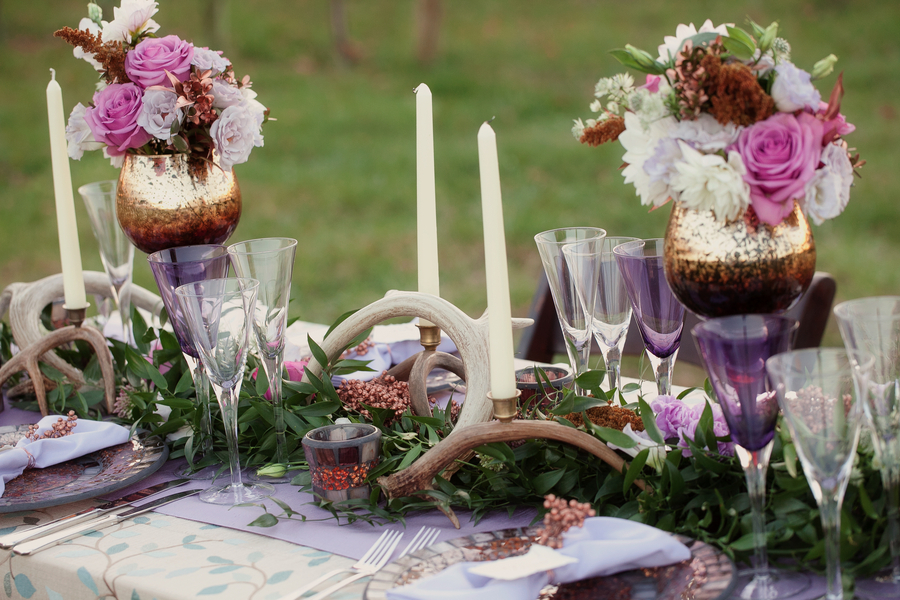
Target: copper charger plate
89,476
708,575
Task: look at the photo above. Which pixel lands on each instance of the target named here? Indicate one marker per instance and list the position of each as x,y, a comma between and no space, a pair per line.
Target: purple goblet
734,350
660,316
172,268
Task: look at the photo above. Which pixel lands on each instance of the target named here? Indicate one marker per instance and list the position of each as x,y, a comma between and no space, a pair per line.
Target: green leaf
412,455
630,387
431,421
649,420
738,48
317,352
635,469
736,33
790,459
499,450
262,382
265,520
182,403
544,482
321,408
591,380
624,57
185,383
611,436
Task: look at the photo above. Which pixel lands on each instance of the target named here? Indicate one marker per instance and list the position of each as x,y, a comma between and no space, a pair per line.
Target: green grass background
338,168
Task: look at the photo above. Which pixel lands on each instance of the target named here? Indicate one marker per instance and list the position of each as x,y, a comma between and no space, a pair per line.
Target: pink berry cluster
61,428
560,517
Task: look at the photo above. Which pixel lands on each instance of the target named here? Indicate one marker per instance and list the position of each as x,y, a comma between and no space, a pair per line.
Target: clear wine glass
872,326
660,316
172,268
271,262
219,316
612,308
820,403
568,298
116,251
734,350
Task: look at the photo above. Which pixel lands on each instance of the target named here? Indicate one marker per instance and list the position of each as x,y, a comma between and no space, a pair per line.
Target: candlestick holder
473,427
26,301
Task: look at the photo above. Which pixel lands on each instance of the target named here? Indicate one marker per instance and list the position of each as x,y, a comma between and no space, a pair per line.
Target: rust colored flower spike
560,517
382,392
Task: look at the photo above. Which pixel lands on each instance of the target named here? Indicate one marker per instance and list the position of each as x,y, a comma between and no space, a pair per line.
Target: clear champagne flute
660,316
872,326
271,262
820,403
612,308
116,251
219,316
172,268
574,320
734,351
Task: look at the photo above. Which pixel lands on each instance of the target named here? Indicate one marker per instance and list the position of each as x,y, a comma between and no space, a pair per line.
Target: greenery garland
703,496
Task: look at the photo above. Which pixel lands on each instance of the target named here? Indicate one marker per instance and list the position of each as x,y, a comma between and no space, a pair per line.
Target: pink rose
652,84
113,118
781,155
293,370
833,128
147,64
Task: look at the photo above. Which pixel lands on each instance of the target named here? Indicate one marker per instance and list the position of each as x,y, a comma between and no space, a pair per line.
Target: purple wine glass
172,268
734,350
660,316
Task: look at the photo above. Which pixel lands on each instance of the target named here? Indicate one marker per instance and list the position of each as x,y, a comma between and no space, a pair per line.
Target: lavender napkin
87,436
603,546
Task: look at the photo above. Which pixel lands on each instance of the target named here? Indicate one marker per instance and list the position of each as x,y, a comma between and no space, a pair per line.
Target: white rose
209,60
707,182
235,133
640,144
131,19
828,192
79,135
793,90
158,113
225,94
87,25
253,105
707,134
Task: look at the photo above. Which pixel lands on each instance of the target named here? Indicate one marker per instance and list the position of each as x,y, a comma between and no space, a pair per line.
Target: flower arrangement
726,122
159,95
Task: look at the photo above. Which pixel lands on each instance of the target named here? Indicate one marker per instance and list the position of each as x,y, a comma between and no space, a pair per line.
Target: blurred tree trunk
347,51
217,16
428,27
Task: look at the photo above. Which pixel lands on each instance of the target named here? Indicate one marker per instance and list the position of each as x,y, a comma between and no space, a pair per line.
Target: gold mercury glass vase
167,201
742,267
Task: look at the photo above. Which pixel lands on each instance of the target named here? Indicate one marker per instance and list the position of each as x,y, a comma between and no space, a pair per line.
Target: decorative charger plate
708,575
92,475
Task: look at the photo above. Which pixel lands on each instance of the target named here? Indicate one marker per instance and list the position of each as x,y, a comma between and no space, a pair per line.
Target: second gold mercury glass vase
167,201
742,267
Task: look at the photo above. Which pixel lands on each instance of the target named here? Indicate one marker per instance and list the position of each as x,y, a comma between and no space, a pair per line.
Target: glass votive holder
340,458
527,383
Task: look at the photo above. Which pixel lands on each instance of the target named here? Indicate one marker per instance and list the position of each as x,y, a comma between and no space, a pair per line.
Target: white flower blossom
616,87
648,106
253,105
657,455
209,60
706,134
672,44
793,90
578,129
828,192
87,25
640,144
708,182
158,113
596,106
225,94
116,161
235,133
78,134
131,19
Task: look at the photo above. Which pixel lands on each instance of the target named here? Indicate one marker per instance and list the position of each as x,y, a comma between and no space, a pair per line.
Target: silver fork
425,537
374,559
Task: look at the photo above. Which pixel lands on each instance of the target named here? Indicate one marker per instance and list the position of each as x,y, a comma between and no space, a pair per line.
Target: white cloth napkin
603,546
87,436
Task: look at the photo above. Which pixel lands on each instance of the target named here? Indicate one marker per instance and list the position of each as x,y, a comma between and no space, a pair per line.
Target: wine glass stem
201,387
122,298
274,367
755,464
664,375
228,405
830,513
612,358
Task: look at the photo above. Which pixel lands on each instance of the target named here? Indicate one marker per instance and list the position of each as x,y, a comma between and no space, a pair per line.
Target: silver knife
11,539
97,524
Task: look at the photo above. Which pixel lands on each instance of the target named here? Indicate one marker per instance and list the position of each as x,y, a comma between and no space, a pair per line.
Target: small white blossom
578,129
596,106
671,45
828,192
616,87
708,182
793,90
158,113
209,60
640,144
648,106
613,107
87,25
78,134
131,19
657,455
